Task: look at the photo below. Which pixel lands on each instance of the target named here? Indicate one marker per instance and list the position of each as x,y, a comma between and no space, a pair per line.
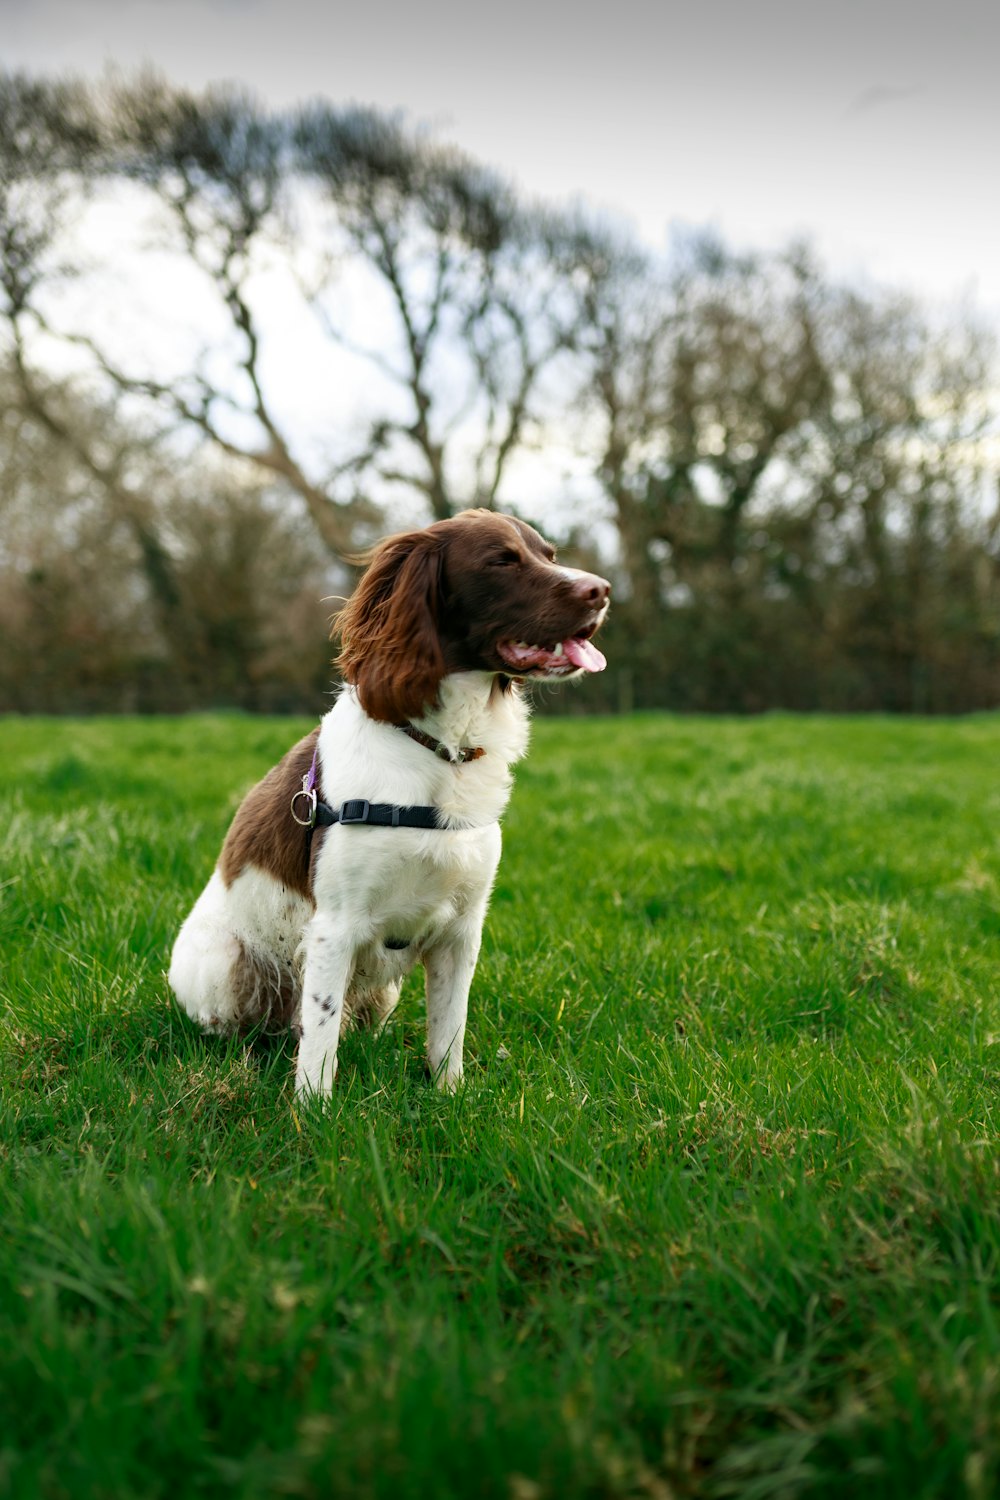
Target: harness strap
377,814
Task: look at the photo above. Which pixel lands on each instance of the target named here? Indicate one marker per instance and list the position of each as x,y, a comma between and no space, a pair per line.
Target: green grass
724,1222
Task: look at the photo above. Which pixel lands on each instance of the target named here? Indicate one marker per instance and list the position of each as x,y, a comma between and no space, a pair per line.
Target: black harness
376,814
379,814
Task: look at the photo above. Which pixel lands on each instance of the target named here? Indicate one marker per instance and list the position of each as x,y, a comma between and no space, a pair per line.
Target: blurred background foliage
793,483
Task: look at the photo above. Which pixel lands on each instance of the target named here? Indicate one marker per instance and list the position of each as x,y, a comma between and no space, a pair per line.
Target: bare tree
787,462
217,166
478,304
477,307
212,593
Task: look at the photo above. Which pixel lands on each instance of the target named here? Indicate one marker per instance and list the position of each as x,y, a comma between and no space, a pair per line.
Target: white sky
871,126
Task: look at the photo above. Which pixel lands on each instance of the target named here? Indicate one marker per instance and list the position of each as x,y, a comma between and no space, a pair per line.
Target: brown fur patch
264,833
391,641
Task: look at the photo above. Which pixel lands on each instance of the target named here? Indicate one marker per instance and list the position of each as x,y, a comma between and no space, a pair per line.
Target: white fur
429,888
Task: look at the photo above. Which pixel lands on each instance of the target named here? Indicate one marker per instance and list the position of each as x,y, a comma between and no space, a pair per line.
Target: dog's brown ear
390,645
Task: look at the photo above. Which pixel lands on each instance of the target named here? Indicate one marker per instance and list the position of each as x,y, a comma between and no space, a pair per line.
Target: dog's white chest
405,884
401,892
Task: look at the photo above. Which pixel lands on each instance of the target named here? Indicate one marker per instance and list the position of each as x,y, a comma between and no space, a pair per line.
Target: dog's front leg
325,979
449,967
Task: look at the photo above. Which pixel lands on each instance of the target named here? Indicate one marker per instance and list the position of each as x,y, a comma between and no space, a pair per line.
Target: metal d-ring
309,792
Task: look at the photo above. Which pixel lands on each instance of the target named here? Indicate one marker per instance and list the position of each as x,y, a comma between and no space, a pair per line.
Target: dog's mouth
577,653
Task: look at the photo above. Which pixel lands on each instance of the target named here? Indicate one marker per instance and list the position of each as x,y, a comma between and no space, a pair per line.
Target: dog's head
478,592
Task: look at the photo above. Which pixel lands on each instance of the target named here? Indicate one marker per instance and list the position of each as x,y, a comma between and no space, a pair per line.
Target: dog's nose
592,590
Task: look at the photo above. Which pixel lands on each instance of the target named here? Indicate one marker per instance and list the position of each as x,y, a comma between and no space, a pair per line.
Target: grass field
715,1213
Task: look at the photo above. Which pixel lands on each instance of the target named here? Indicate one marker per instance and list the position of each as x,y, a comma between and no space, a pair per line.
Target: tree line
788,479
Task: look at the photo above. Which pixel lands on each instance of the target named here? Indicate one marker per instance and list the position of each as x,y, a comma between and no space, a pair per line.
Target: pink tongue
584,654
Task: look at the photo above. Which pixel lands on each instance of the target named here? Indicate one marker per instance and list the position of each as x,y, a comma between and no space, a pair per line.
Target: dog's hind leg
208,965
372,1010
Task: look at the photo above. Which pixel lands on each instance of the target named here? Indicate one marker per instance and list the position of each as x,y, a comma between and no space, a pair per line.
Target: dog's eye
506,559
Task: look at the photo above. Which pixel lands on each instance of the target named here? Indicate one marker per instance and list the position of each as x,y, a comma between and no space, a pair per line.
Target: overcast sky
872,126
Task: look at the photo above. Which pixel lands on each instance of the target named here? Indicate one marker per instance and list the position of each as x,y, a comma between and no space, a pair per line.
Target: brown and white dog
319,926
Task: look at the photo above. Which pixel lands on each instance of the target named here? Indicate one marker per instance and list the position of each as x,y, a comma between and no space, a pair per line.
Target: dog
374,844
